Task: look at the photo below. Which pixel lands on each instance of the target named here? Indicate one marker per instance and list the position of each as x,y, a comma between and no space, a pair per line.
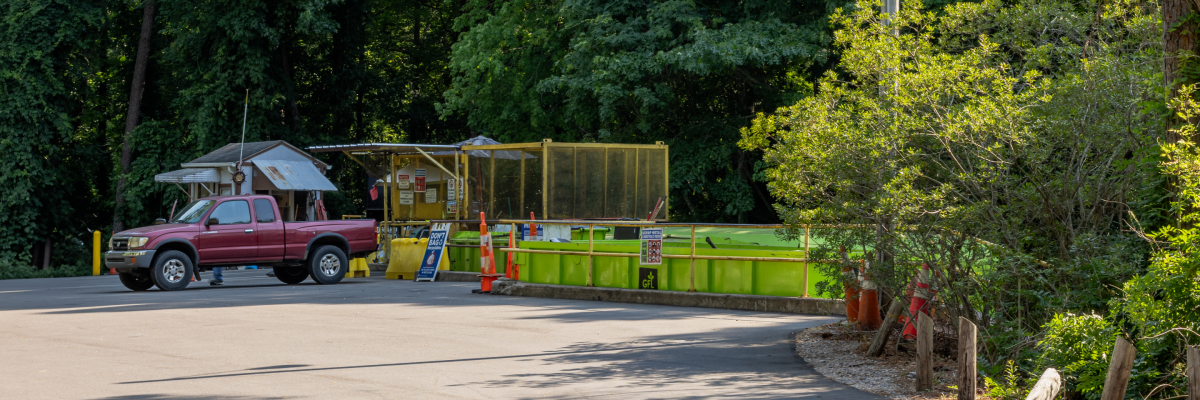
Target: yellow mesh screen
533,185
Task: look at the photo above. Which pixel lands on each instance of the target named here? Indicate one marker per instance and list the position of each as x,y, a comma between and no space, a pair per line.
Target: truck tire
328,265
136,281
292,275
172,270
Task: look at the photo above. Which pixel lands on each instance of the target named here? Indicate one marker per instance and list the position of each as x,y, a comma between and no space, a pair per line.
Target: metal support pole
591,228
96,252
692,268
804,278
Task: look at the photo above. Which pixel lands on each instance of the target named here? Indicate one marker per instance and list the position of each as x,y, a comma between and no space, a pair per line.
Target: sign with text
451,191
406,197
431,195
652,246
434,251
419,186
452,207
402,182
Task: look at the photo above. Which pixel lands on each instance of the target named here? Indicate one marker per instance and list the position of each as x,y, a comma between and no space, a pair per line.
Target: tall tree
133,116
1179,32
689,73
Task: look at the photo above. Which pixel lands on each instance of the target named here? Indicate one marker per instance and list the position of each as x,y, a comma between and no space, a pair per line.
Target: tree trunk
1181,39
135,110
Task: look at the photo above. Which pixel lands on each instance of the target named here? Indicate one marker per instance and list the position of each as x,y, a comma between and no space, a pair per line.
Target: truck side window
232,212
264,211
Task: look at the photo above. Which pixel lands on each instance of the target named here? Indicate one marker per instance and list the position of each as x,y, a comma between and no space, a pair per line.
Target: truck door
270,231
233,239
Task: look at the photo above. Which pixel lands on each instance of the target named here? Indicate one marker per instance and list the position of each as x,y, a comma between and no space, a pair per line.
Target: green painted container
713,276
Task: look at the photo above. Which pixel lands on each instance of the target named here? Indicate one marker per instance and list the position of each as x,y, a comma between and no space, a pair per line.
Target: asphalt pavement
370,338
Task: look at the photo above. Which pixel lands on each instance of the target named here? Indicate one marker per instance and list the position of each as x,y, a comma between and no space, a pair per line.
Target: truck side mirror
212,221
160,221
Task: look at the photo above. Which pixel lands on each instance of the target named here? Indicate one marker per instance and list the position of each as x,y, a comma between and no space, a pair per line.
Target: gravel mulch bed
836,351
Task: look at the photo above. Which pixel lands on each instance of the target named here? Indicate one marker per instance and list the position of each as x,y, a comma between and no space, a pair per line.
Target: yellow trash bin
406,259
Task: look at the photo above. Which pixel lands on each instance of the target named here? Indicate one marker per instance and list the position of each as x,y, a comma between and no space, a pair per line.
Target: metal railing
692,256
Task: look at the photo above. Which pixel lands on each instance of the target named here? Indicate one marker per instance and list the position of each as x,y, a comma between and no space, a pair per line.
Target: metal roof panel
294,175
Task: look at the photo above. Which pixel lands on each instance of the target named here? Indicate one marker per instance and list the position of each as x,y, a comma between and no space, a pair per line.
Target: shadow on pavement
183,397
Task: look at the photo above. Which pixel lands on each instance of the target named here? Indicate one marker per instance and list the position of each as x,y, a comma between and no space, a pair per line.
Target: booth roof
394,148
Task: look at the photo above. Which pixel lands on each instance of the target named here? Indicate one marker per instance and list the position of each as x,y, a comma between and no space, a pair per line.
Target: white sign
402,182
431,195
406,197
651,246
451,192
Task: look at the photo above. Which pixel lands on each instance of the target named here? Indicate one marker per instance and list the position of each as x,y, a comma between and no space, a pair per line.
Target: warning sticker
419,186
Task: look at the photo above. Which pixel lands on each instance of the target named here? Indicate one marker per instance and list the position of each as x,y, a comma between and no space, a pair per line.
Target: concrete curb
792,305
457,276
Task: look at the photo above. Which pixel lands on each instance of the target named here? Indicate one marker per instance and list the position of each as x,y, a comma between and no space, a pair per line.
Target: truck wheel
172,270
136,281
290,276
328,265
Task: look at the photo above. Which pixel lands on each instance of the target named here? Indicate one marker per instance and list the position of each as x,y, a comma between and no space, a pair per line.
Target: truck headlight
137,242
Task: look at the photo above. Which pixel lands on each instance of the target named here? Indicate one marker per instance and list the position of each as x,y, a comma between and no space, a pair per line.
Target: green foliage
997,142
1158,311
42,49
687,73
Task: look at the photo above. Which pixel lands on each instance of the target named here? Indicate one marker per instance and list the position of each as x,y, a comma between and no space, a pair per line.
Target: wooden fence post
966,359
1119,369
885,329
924,352
1193,372
1047,386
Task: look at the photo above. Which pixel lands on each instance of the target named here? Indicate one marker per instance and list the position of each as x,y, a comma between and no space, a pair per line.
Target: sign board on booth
431,195
419,186
434,252
402,181
406,197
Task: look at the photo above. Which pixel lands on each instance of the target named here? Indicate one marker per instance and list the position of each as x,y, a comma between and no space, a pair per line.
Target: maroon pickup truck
237,230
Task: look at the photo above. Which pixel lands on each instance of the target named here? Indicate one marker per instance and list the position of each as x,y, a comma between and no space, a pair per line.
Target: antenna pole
241,152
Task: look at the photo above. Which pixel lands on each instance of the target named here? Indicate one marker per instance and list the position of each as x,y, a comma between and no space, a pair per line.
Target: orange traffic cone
868,306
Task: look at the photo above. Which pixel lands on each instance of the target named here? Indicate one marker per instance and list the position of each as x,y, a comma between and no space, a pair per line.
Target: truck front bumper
129,259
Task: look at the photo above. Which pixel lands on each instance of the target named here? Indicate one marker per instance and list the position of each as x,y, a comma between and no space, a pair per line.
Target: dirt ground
836,351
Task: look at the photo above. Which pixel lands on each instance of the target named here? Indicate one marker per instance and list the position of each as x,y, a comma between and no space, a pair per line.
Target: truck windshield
193,212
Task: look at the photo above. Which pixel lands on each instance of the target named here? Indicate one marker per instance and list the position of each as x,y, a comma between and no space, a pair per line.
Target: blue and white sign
435,249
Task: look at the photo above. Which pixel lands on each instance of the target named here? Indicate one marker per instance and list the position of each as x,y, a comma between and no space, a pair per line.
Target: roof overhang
390,148
294,175
189,175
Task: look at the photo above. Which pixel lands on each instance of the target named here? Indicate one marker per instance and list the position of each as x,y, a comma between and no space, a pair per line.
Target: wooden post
924,352
1193,372
1046,387
1119,369
966,359
885,329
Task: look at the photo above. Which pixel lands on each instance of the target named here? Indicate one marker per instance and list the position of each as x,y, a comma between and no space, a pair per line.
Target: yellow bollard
96,252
